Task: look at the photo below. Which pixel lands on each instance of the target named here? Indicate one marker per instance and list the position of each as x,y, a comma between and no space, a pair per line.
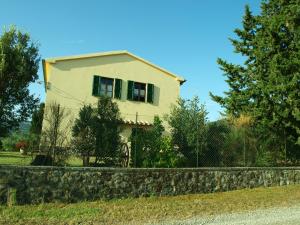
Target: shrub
21,145
10,143
167,156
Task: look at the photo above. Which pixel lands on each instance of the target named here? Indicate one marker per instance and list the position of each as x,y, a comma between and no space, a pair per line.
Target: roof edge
121,52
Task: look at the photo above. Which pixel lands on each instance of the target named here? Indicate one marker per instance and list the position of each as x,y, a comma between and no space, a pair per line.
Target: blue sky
183,36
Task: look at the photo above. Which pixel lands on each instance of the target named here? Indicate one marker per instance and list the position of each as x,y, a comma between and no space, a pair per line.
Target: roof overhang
54,60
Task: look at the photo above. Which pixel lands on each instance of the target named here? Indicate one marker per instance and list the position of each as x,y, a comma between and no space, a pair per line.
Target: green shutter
150,93
96,84
118,88
130,90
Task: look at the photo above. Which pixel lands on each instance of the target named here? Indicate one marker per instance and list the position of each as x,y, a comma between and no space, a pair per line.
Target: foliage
152,143
21,145
97,132
36,126
37,120
266,87
167,156
55,134
11,142
84,138
138,140
19,62
107,131
217,134
151,149
188,128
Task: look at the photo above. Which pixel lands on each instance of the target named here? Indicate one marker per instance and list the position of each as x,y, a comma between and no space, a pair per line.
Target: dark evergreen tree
84,135
37,120
107,131
266,87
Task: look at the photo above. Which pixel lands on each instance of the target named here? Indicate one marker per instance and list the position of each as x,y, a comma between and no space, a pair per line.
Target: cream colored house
141,89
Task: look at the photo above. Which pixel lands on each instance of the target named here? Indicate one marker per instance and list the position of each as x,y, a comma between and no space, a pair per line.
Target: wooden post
11,196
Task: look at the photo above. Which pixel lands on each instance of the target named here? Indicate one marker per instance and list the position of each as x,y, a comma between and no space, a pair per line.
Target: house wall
71,83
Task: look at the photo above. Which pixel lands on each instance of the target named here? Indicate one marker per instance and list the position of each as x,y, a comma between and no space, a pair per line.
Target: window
106,87
103,86
139,92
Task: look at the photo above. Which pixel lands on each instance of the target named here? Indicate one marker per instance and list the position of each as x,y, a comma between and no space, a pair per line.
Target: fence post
135,137
11,196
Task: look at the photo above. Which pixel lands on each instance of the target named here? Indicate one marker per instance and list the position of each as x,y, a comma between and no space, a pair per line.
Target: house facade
140,88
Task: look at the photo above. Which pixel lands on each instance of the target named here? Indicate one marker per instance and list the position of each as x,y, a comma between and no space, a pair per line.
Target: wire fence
220,144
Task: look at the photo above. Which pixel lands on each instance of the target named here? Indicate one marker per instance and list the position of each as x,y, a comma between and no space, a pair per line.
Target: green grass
15,158
150,210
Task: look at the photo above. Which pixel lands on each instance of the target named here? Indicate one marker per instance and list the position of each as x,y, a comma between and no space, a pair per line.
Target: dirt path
273,216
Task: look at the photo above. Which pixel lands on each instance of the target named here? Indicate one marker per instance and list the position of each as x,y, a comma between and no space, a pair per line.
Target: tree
146,144
96,132
19,62
153,143
107,131
37,120
266,87
150,148
188,128
35,129
84,138
216,137
56,132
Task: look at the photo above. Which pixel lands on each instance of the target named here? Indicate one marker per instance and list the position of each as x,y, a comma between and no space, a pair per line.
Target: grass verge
150,210
15,158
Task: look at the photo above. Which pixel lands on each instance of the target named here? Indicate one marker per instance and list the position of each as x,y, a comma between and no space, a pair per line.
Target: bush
151,149
42,160
167,156
10,143
22,145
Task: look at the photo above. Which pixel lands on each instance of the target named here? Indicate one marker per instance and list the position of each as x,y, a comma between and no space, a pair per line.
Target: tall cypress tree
267,85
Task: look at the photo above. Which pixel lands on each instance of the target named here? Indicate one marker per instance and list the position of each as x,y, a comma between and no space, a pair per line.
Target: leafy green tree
19,62
266,87
150,148
188,128
168,157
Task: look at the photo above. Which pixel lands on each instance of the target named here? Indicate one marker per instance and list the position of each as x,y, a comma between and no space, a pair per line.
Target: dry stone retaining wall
66,184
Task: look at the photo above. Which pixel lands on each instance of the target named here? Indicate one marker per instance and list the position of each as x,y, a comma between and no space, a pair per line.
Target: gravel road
273,216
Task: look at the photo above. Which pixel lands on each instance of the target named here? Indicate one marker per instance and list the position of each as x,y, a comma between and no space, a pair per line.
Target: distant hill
25,126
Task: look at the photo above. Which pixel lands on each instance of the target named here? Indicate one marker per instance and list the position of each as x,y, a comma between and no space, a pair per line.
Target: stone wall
65,184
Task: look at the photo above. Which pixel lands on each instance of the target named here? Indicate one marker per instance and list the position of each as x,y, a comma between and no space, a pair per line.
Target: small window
139,92
106,87
103,86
